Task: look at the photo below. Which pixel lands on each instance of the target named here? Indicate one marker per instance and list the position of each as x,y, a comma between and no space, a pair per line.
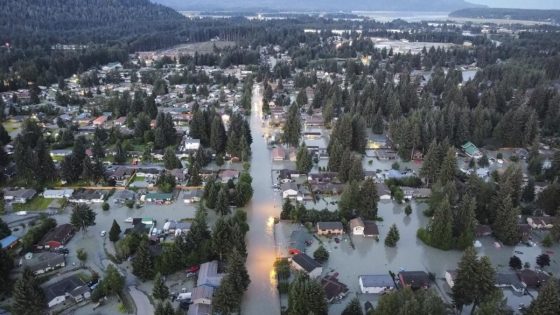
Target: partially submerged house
208,274
44,262
334,289
414,279
376,284
57,237
330,228
302,262
299,240
471,150
71,287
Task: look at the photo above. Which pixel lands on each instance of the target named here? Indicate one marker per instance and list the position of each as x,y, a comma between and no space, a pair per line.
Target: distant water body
412,16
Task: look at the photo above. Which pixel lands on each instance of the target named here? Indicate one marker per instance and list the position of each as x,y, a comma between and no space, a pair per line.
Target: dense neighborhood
310,165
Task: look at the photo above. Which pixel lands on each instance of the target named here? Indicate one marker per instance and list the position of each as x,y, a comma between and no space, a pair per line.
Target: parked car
103,233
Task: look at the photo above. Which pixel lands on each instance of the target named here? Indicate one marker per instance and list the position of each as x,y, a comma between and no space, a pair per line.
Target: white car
103,233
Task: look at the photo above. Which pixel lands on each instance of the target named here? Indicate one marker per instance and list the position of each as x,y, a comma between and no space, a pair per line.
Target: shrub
105,206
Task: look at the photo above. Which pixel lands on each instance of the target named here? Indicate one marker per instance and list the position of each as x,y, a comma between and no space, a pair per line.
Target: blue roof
397,174
8,241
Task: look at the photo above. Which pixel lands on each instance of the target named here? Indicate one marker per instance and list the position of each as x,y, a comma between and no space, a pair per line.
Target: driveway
143,305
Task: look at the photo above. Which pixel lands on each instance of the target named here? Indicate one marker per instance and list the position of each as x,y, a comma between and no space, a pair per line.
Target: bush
129,204
321,255
105,206
424,236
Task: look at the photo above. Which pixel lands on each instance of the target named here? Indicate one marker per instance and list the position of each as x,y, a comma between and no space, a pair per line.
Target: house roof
208,274
202,292
63,286
58,234
532,278
20,193
508,279
382,189
469,148
304,261
333,287
88,194
377,281
356,222
44,260
415,278
159,196
370,228
200,309
288,186
329,226
8,241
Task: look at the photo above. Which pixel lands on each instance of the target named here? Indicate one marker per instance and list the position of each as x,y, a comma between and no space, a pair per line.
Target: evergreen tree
505,226
306,296
28,297
6,266
221,238
335,156
407,301
222,202
448,167
218,135
292,127
82,217
465,222
160,290
4,229
367,207
548,301
170,159
349,200
408,210
114,233
142,262
120,153
528,194
392,237
304,160
353,308
226,300
431,163
475,280
441,226
237,271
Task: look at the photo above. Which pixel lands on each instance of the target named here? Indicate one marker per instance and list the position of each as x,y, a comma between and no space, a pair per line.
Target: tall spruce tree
28,297
448,167
292,128
306,296
367,207
142,262
353,308
304,161
160,290
548,301
114,233
505,225
441,226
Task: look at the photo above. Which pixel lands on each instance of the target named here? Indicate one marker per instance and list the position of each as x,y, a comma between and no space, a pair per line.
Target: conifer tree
142,262
160,290
353,308
114,233
505,225
548,301
431,164
441,226
392,237
28,297
448,167
292,128
304,161
367,206
222,202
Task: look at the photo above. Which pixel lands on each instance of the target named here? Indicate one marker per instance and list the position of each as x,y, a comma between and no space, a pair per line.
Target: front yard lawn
36,204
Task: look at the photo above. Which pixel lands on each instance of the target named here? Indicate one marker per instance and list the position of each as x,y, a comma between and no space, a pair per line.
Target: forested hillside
515,14
32,22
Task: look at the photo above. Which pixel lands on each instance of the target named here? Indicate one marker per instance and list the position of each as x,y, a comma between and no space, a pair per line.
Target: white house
190,145
289,190
383,191
202,295
357,226
376,284
302,262
57,193
71,287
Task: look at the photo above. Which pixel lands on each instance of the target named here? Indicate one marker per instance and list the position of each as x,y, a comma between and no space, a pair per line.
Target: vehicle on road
103,233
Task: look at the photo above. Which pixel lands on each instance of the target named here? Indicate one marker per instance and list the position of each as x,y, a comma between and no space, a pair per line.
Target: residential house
371,229
190,145
179,175
88,196
334,289
200,309
151,173
376,284
314,121
70,287
541,222
57,193
226,175
202,295
100,121
386,154
44,262
8,242
416,192
192,196
383,191
159,198
327,188
471,150
302,262
56,237
19,195
278,153
330,228
357,226
208,275
414,279
375,142
122,196
323,177
121,175
509,280
532,279
289,190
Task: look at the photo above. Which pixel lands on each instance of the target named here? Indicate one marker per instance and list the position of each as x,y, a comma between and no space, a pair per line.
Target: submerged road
262,295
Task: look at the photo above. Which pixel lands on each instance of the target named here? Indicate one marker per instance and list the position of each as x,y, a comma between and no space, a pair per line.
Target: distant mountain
514,14
319,5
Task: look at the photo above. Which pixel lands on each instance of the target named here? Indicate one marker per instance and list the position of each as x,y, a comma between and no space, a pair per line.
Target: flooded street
262,296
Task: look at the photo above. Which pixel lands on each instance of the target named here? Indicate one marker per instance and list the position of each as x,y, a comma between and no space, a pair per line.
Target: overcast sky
524,4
